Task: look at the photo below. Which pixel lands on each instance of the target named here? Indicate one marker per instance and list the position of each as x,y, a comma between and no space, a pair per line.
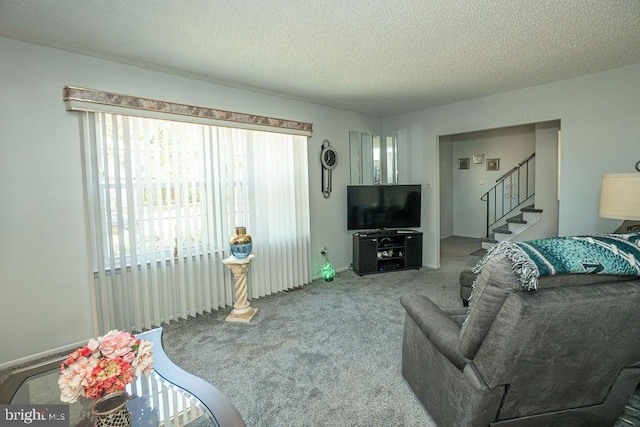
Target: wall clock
329,160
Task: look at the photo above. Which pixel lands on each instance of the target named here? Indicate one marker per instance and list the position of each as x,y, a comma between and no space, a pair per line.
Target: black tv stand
386,232
386,250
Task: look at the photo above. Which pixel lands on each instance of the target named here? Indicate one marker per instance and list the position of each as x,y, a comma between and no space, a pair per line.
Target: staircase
514,226
515,190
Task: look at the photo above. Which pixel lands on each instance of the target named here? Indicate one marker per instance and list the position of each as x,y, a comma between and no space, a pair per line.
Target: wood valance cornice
80,99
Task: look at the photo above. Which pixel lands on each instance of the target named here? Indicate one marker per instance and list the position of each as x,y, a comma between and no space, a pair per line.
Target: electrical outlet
324,251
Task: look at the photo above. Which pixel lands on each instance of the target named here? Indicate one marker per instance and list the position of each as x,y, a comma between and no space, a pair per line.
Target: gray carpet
328,354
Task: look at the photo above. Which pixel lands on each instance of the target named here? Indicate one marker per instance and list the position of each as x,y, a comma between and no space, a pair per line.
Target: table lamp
620,199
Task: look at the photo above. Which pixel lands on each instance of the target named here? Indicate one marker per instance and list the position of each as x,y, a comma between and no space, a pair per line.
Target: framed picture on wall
478,159
463,163
493,164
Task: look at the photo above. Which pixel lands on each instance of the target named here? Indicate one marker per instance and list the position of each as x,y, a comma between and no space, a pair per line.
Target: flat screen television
373,207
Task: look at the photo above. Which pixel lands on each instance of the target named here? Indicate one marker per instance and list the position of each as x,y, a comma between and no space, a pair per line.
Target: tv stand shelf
378,252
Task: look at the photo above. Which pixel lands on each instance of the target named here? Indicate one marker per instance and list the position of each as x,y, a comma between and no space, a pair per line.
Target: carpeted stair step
516,220
502,230
531,209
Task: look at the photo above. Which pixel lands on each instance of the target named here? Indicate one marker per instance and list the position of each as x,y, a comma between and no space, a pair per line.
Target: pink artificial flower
93,344
108,376
74,378
77,354
116,344
105,365
143,361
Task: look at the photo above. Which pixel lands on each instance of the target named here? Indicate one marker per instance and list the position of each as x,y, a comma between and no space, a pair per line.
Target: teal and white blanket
600,254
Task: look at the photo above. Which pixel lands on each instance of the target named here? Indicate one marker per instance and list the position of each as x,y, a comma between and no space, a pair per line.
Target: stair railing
512,189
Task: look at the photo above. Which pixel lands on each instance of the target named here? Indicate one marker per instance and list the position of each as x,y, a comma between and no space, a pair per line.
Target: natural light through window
166,200
164,197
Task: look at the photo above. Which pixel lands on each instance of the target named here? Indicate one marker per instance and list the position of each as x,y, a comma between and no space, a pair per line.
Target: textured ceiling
380,57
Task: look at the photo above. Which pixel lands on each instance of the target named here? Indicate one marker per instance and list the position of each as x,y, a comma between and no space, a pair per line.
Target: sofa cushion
493,285
568,341
578,280
465,292
467,277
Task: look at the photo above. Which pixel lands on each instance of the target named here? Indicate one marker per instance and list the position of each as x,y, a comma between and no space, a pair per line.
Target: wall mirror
373,159
391,164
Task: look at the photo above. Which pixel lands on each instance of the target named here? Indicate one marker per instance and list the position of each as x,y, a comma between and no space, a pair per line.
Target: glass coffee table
170,396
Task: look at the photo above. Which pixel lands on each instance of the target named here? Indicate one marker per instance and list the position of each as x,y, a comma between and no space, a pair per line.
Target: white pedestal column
242,311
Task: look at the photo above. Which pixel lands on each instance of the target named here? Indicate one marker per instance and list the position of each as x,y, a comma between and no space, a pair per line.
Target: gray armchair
567,354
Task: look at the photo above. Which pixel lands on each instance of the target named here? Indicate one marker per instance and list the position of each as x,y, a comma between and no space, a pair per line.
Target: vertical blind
163,198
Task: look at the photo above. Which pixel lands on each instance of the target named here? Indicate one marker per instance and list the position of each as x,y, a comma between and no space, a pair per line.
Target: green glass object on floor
328,272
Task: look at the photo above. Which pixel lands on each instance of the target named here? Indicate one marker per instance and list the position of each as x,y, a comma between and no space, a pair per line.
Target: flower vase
241,243
111,410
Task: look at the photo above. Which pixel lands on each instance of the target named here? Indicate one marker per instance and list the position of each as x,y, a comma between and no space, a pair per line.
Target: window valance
80,99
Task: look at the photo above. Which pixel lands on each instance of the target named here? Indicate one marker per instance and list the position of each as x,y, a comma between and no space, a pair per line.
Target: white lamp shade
620,196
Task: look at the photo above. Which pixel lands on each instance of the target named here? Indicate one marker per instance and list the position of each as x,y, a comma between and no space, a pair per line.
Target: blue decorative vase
241,243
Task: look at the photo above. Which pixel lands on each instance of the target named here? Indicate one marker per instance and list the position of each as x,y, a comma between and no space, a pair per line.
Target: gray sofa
563,355
467,276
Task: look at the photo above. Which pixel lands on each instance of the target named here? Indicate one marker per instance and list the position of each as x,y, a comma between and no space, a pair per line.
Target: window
164,197
152,184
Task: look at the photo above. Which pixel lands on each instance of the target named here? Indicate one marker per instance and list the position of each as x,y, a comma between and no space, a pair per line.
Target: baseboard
468,237
42,355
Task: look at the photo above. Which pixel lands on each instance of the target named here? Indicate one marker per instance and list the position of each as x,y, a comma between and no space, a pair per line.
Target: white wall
600,131
447,170
511,145
45,303
546,181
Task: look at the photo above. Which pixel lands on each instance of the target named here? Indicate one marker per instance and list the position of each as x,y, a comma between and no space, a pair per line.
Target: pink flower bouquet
105,365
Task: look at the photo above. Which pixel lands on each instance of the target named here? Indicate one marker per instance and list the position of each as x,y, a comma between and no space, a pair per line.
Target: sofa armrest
442,331
457,314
